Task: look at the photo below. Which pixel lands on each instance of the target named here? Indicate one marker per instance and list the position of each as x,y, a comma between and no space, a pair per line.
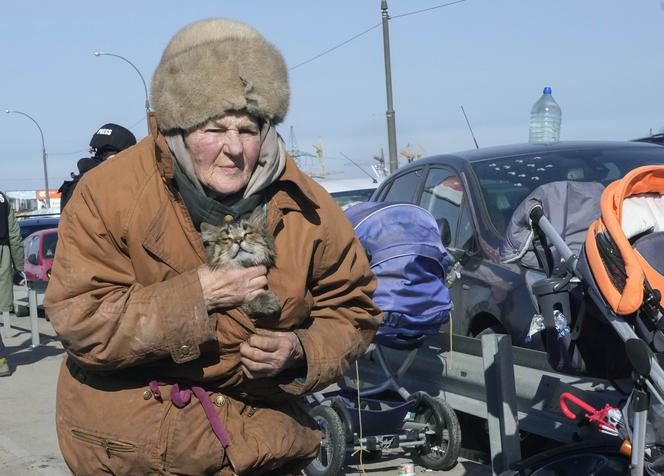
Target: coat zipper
110,446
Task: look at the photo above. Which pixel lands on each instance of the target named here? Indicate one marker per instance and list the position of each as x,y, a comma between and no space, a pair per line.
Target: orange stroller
616,284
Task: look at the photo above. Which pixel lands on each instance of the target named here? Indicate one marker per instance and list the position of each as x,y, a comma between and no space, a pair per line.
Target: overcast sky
603,59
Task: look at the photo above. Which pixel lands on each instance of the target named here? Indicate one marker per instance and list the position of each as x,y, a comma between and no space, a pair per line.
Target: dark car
472,195
32,224
654,139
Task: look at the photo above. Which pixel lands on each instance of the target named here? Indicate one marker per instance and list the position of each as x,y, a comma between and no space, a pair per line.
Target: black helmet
111,139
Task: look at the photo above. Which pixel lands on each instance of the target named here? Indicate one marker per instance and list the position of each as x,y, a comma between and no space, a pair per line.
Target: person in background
165,372
11,267
109,140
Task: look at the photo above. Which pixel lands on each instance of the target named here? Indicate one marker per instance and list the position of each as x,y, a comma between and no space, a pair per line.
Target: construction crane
304,159
298,155
379,168
321,160
411,153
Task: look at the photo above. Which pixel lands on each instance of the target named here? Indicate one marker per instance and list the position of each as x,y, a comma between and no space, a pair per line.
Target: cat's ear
257,217
208,232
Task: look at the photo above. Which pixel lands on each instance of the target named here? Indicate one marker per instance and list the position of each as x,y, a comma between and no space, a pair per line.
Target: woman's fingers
269,352
231,286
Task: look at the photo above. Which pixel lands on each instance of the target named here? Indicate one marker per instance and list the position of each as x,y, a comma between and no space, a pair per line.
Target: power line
392,17
142,119
336,47
74,152
87,149
29,179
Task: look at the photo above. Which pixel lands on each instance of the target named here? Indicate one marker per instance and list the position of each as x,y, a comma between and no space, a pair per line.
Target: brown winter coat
126,301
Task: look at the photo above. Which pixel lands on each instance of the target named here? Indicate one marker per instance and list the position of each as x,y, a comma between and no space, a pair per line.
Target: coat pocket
110,446
272,437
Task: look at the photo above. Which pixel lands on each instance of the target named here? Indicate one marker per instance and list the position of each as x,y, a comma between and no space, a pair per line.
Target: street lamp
41,133
145,88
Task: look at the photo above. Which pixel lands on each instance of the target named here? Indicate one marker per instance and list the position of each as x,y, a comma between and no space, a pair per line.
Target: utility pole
391,128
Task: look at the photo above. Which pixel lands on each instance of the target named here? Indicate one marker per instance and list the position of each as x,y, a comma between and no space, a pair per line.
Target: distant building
33,202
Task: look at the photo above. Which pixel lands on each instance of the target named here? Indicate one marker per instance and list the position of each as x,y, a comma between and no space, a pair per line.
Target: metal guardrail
503,422
458,376
31,297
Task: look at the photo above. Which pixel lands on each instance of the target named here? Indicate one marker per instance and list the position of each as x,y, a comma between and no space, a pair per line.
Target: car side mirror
445,231
458,255
32,259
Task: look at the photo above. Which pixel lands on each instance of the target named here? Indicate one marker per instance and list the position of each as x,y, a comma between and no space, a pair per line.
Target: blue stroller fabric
406,253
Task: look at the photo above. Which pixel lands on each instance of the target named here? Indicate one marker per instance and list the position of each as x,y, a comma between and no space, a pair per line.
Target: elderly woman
165,374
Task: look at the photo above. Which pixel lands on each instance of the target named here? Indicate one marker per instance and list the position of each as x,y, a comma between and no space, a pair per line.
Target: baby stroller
613,284
403,244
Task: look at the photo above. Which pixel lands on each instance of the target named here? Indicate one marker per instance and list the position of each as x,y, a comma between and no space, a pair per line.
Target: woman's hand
267,353
230,286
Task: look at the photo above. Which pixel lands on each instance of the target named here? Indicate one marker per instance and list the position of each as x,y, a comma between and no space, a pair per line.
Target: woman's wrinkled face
224,151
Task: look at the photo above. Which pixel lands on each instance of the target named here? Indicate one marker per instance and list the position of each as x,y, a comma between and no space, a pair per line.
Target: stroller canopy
623,246
406,253
570,206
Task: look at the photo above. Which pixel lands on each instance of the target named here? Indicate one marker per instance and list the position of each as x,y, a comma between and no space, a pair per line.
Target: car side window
34,246
465,239
50,242
443,196
37,242
404,187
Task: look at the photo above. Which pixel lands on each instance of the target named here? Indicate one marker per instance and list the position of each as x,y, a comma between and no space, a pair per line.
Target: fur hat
218,65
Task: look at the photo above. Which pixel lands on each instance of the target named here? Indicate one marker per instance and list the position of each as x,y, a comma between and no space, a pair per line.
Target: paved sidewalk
28,443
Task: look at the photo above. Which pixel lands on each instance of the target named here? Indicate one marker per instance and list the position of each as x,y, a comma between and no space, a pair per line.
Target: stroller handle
539,220
605,418
577,401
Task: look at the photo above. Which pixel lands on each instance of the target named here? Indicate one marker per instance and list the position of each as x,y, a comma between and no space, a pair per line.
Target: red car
39,250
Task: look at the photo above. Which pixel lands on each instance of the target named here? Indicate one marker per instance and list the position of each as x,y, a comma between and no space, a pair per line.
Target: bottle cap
547,90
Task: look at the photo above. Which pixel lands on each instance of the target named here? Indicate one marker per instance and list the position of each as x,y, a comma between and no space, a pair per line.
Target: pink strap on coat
181,399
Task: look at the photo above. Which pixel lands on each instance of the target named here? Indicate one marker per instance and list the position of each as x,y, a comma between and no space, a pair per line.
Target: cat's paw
266,304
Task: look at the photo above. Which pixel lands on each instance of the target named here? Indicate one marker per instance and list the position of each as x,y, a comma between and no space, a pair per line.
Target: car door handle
465,286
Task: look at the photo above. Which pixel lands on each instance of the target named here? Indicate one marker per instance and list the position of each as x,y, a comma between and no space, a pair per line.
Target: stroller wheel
443,440
332,453
587,458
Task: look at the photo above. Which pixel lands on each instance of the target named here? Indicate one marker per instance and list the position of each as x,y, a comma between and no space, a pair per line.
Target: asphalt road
28,443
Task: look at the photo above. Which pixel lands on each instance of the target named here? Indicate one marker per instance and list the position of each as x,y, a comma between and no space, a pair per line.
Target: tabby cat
243,243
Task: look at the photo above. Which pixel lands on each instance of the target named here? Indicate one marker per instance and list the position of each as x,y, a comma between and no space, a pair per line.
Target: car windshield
350,196
506,181
50,241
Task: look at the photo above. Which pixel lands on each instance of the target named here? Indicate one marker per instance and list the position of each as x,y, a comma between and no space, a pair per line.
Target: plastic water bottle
560,323
536,325
545,120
